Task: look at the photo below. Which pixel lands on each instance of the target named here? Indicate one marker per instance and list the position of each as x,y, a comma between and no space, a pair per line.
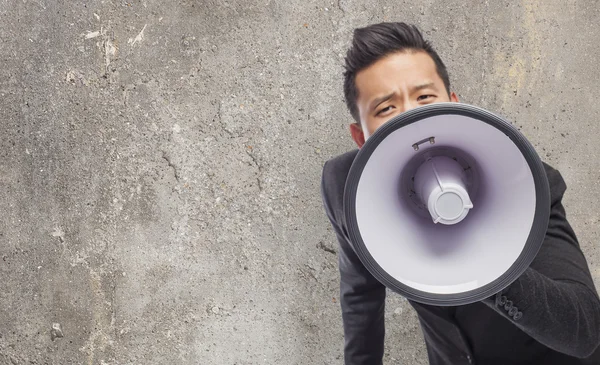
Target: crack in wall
260,170
219,120
326,248
166,157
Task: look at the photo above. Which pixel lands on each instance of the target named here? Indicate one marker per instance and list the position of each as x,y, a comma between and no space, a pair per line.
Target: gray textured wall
160,166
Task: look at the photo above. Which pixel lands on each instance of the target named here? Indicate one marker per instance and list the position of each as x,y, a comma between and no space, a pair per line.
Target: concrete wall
160,165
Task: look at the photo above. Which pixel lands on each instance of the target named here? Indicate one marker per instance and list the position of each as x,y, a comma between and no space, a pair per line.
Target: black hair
372,43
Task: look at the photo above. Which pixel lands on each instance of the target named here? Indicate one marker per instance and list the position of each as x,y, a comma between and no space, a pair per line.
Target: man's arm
555,300
362,297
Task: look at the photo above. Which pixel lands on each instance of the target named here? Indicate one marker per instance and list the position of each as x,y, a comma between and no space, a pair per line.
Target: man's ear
453,97
357,134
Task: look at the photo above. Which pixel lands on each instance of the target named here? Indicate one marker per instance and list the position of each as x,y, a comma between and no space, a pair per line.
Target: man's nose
408,105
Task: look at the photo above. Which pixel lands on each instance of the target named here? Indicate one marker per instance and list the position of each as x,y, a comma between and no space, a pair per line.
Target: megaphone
447,204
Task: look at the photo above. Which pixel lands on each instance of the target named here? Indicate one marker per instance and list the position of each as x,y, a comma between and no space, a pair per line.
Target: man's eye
424,97
387,108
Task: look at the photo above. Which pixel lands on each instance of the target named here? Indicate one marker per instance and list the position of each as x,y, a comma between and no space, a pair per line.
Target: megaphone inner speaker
447,204
469,174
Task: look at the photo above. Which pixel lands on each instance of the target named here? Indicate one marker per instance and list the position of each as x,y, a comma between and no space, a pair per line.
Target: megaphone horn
447,204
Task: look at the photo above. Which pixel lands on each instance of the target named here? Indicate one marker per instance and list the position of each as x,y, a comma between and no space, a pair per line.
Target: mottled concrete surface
160,165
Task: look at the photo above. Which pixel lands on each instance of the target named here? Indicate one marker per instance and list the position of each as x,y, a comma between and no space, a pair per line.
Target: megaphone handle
416,145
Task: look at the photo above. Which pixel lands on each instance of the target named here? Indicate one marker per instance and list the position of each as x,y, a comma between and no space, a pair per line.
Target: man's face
395,84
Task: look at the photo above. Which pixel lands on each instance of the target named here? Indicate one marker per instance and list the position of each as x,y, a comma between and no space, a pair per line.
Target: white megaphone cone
447,204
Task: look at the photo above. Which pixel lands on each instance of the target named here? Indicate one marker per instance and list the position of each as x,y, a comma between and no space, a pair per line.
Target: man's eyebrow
380,100
423,86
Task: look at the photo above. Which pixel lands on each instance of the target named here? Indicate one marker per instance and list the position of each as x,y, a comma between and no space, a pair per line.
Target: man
549,315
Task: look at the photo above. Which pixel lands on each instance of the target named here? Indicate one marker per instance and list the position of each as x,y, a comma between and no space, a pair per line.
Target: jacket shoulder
333,181
337,168
556,182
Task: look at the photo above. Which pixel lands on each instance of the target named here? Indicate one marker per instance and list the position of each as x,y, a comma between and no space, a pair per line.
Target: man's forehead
407,66
411,70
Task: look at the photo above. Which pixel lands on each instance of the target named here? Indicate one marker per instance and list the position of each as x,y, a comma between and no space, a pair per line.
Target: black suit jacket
549,315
